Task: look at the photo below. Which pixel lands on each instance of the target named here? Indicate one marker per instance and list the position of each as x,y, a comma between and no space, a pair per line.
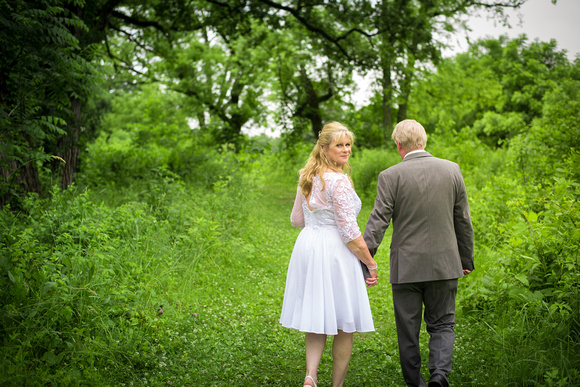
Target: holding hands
360,250
373,279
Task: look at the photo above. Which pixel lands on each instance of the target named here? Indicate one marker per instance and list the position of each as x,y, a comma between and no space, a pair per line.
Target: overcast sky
538,19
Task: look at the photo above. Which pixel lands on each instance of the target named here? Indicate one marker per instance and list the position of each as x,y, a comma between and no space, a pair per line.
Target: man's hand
466,272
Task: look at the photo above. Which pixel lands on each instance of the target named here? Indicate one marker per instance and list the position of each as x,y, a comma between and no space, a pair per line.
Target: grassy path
187,289
237,338
226,331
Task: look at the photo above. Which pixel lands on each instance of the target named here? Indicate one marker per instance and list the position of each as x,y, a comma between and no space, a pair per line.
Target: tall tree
391,37
305,82
497,89
216,55
408,42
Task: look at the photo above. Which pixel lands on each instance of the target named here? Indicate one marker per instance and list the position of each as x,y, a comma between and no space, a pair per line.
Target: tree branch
126,65
138,22
132,38
471,3
310,27
213,108
517,4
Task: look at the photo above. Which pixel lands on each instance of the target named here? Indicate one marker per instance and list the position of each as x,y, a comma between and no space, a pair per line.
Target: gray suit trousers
439,300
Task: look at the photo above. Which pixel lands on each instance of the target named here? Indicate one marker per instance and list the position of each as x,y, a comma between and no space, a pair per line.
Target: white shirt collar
415,151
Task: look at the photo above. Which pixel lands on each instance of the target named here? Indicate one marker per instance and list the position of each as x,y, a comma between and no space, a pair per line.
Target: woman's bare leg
341,352
314,347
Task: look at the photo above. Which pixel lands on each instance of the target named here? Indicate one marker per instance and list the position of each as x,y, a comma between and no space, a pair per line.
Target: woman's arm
297,216
360,250
345,215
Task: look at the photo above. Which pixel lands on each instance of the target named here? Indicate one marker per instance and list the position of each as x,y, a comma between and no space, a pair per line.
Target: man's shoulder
424,159
390,170
439,159
429,158
452,165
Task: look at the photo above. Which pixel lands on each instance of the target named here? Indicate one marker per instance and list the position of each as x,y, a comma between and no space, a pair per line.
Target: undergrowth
161,281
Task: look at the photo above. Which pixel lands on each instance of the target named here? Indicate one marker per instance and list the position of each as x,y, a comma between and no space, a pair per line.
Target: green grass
220,327
220,313
215,263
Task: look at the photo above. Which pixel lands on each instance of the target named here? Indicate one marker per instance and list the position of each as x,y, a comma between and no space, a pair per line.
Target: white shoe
308,385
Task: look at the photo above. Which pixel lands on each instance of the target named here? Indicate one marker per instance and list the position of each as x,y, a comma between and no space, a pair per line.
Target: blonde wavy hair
318,162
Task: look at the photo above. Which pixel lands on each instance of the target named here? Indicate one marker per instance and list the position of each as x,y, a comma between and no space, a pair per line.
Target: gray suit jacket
432,233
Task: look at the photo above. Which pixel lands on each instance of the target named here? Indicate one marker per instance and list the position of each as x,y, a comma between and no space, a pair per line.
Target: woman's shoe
308,385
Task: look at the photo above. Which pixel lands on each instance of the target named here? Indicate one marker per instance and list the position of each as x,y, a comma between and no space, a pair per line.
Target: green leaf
48,286
531,216
523,279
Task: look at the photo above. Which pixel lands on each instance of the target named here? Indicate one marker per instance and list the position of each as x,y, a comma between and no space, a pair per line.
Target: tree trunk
316,122
387,101
386,55
409,72
310,108
402,112
29,178
71,150
16,174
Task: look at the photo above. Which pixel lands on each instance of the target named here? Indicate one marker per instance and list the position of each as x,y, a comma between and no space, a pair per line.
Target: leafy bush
366,165
526,291
82,283
121,155
58,276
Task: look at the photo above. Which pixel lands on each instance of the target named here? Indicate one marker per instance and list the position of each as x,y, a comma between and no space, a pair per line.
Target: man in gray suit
431,247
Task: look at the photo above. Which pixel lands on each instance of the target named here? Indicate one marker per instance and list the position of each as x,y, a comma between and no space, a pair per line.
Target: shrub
58,277
366,165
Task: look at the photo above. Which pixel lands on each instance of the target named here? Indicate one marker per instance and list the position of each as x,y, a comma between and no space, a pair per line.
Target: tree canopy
238,64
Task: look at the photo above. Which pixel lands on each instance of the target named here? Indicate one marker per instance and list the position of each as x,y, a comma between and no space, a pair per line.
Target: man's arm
464,229
379,219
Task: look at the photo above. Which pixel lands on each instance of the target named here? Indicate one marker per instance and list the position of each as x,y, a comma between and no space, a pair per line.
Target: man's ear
401,151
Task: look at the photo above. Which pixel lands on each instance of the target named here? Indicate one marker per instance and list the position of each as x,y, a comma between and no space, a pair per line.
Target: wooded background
119,116
231,64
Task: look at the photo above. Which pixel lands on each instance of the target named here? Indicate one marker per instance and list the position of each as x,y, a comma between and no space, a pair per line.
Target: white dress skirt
325,288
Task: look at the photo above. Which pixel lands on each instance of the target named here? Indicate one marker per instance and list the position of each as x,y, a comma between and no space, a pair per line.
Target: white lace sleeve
297,216
345,209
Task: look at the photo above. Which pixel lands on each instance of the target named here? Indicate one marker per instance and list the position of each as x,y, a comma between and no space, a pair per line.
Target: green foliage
63,283
366,166
553,139
497,88
525,290
143,135
82,283
43,68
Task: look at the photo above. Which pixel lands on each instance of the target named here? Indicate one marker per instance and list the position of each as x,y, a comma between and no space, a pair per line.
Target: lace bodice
337,205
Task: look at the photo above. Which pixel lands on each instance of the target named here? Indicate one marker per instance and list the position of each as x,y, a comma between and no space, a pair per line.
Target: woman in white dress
325,288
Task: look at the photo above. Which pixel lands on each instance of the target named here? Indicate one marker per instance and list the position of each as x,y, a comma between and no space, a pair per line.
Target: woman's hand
373,279
360,250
